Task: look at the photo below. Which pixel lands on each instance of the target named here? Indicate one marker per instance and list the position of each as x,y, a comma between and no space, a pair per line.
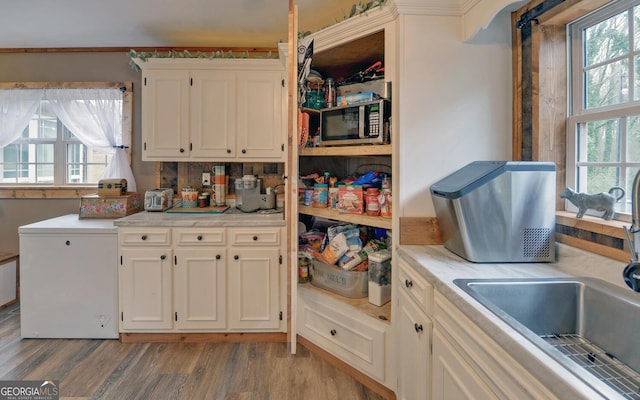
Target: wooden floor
109,369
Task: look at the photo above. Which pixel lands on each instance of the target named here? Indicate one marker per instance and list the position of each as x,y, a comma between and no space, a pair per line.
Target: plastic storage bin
380,277
352,284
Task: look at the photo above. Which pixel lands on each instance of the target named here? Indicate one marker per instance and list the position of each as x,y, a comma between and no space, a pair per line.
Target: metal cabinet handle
235,257
144,237
162,257
408,283
199,237
333,332
255,238
228,151
218,256
68,242
418,327
181,150
244,151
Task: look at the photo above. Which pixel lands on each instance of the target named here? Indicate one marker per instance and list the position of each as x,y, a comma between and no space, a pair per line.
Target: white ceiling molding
479,13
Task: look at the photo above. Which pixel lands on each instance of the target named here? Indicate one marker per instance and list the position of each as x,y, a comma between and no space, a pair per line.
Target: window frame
39,190
578,113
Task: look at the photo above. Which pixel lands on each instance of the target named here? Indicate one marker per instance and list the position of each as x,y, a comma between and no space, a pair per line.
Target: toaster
158,199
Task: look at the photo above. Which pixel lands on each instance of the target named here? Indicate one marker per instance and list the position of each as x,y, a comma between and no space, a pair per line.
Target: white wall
455,102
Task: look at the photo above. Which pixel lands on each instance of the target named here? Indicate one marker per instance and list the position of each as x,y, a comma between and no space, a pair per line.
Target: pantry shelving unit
353,330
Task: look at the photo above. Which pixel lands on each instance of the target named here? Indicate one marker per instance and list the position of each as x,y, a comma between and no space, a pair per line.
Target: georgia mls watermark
29,390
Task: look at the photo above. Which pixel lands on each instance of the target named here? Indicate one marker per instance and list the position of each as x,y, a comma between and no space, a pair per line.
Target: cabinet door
254,290
453,378
199,288
165,115
145,288
213,114
414,341
260,115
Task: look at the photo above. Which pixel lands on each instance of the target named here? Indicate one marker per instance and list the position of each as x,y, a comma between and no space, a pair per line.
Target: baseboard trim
206,337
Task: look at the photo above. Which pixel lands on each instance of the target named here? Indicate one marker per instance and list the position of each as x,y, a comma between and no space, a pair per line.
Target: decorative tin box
112,187
94,206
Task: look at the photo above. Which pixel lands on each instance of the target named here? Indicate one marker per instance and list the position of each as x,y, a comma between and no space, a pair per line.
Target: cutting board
198,210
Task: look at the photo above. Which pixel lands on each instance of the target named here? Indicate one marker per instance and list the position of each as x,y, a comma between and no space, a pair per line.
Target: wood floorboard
92,369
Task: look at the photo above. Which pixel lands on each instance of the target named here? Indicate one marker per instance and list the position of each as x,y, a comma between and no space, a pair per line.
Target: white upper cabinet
165,114
210,110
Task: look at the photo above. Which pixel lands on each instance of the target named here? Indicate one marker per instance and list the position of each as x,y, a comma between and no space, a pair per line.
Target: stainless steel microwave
360,123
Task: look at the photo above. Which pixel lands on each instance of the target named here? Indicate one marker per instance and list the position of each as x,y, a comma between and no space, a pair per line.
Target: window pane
636,79
45,173
607,40
631,174
598,141
85,165
599,179
45,153
633,138
75,173
636,28
94,172
608,84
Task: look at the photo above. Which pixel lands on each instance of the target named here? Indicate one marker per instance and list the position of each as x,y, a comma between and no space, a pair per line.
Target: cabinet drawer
145,236
416,287
195,236
357,343
253,237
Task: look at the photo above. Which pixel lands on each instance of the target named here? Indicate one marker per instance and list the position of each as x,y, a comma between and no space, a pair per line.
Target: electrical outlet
206,179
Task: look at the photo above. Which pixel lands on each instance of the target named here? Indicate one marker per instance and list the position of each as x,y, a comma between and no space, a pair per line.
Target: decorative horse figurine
604,201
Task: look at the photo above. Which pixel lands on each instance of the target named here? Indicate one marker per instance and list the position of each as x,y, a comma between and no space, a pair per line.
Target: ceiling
159,23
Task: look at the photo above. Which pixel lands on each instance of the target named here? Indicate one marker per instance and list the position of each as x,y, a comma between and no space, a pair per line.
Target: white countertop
231,217
71,223
440,267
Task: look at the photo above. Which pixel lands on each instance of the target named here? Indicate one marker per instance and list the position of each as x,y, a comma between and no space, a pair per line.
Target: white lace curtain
94,116
17,106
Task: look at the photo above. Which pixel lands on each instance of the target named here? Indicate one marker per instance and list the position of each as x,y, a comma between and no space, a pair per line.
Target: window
32,158
64,136
603,146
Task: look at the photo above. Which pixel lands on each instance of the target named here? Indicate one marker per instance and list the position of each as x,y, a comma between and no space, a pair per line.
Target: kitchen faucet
631,273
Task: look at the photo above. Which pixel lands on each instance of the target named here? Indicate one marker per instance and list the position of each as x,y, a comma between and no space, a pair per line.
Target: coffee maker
250,194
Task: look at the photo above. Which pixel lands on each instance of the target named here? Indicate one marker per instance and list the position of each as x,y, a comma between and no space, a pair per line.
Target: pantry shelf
351,151
376,222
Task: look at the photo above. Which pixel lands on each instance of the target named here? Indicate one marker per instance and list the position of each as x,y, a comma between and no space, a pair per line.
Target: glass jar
371,200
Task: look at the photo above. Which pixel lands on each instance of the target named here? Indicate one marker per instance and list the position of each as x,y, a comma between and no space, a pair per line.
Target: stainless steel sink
588,325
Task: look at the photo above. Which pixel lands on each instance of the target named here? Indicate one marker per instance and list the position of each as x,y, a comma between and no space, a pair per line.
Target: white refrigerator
68,278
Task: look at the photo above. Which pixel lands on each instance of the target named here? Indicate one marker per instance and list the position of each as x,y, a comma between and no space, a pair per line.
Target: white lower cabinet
186,280
413,328
356,339
144,287
444,355
254,299
469,364
414,359
453,378
199,281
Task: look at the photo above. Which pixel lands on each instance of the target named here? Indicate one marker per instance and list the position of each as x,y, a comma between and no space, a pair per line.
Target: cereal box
350,200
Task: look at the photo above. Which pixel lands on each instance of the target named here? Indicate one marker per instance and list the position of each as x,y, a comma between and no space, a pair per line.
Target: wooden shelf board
362,219
351,151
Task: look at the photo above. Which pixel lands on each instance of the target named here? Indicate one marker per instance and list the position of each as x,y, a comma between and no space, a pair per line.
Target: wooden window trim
548,71
70,191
